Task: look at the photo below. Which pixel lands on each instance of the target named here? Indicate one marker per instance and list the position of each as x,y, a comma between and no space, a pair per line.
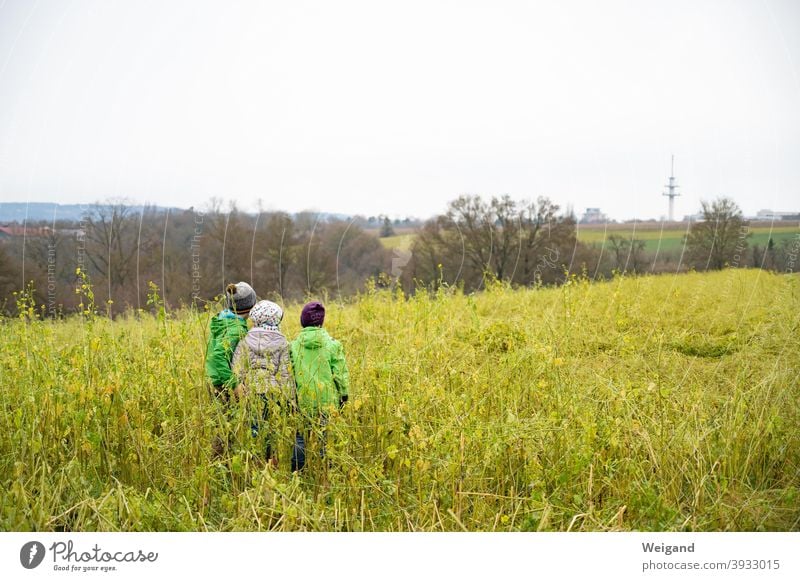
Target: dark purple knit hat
313,315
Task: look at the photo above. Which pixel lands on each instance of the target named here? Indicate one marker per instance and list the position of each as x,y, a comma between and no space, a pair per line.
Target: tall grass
654,403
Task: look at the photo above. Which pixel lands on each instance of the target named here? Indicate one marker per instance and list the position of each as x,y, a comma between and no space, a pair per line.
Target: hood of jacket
312,338
225,319
262,341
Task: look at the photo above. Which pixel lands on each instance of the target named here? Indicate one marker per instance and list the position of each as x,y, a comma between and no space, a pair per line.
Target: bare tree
720,239
518,242
628,252
549,240
10,278
273,252
227,247
357,255
112,243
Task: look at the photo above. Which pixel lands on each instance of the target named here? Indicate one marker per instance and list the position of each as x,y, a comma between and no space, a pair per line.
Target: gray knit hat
240,297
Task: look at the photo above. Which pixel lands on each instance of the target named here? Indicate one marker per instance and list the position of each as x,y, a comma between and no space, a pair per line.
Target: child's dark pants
299,451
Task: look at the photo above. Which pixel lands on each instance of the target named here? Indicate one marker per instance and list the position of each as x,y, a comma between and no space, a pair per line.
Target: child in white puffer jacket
261,362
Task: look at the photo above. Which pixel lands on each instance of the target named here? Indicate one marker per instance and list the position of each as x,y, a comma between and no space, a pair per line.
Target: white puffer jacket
261,361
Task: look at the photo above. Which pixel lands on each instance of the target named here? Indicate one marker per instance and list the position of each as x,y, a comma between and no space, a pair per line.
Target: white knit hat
266,314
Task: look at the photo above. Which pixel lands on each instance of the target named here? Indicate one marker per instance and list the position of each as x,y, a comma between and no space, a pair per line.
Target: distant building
76,232
699,217
593,216
770,215
15,230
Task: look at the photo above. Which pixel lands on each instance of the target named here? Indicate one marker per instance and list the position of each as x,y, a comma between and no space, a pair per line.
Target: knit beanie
240,297
313,315
267,314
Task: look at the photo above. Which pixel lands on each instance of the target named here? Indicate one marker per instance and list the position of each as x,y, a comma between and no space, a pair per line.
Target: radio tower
671,186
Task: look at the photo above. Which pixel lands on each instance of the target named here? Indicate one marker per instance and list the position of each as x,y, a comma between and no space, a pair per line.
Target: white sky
369,107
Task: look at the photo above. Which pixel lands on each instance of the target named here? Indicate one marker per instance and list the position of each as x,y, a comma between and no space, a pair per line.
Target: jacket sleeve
230,342
239,362
341,375
284,376
284,373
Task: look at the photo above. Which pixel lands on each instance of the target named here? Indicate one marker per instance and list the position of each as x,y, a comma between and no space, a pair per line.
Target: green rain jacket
227,328
320,370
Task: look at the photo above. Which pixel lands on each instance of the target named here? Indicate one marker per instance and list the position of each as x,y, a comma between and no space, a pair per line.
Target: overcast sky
370,107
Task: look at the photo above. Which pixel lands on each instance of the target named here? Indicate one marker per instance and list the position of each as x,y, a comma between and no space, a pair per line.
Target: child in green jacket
226,330
320,373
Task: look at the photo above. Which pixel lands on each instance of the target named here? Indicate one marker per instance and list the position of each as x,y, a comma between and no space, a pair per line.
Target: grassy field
649,403
400,241
657,237
671,236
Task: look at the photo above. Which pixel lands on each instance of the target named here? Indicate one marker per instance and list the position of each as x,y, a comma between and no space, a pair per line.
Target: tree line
190,255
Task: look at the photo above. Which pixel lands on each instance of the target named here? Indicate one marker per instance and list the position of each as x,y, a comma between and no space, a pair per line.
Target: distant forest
127,251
